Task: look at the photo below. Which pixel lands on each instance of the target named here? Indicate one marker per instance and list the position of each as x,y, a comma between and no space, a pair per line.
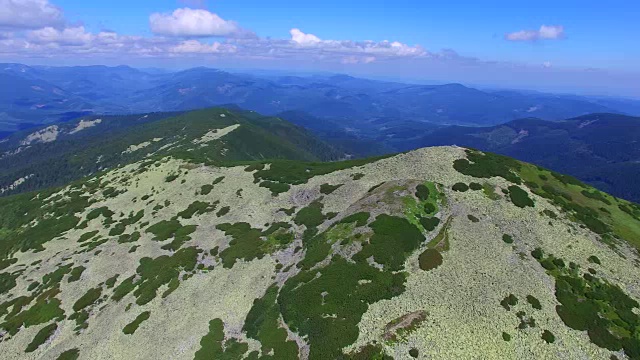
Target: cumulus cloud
69,36
29,14
546,32
187,22
301,38
345,51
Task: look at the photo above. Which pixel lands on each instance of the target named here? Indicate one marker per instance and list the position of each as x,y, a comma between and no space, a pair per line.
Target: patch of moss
506,337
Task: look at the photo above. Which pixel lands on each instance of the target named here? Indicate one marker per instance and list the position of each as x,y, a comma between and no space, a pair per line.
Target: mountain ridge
439,252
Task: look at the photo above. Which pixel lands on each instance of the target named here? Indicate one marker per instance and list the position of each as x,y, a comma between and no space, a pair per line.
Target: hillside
600,149
57,154
440,253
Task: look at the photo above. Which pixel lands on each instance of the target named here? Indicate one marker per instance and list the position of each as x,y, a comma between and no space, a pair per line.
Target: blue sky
463,41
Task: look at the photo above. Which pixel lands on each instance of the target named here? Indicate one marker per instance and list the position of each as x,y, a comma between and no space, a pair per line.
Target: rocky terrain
438,253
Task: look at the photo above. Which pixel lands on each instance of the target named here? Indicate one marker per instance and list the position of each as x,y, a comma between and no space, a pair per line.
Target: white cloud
301,38
196,47
347,50
546,32
547,64
69,36
358,60
29,14
188,22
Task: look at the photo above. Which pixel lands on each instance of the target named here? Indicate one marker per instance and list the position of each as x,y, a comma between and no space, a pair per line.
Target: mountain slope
57,154
437,253
601,149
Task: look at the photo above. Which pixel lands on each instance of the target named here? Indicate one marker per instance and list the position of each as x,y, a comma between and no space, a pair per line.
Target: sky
585,47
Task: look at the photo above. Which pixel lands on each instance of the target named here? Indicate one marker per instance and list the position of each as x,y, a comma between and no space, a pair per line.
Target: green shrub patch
328,189
392,240
197,208
487,165
519,197
460,187
275,187
133,326
214,346
262,324
430,259
422,192
548,337
596,306
71,354
41,337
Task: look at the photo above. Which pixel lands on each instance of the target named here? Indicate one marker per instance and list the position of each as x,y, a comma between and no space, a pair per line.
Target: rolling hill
600,149
56,154
441,252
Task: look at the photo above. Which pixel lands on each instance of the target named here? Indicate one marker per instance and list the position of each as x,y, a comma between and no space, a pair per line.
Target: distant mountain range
601,149
41,95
